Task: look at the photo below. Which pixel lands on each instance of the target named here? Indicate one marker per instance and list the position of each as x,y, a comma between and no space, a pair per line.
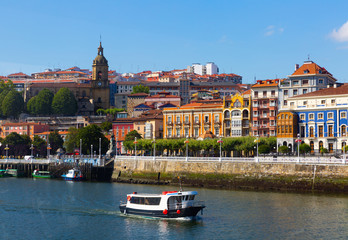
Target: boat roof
168,193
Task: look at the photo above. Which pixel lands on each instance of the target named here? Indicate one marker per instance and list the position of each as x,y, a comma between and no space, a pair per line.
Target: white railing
261,159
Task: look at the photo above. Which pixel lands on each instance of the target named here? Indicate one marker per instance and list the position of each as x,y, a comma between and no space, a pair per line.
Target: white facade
209,69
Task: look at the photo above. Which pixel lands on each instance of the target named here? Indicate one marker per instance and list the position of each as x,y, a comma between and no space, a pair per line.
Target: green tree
64,102
2,97
304,148
131,136
72,141
13,104
140,89
106,126
323,150
264,149
42,103
283,149
40,146
18,145
90,136
56,141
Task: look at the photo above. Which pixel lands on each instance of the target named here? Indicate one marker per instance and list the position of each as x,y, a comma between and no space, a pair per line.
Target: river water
55,209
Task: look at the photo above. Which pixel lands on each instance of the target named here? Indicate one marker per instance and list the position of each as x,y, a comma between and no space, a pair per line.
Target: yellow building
192,120
236,115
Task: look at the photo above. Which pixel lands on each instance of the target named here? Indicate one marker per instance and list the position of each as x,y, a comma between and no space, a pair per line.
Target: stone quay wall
235,175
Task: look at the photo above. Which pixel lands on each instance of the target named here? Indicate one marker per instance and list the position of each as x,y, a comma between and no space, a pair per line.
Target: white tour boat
171,204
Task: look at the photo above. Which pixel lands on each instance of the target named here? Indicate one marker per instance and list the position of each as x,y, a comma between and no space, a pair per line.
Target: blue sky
254,39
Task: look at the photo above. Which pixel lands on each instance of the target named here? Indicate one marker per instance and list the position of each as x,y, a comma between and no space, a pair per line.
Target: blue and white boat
172,204
73,175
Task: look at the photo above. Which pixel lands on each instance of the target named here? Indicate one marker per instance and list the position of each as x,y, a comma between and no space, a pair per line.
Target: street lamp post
32,148
99,149
257,148
344,152
48,150
186,141
6,148
80,147
135,147
220,141
154,148
91,151
298,141
116,141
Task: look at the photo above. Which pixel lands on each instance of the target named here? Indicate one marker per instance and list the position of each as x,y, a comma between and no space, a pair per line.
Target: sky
254,39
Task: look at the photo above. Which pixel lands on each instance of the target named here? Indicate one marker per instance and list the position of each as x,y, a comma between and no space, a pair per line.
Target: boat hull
185,212
71,178
40,176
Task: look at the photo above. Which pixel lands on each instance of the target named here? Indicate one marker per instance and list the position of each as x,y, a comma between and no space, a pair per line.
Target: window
169,132
330,130
216,131
237,104
264,93
321,131
295,82
333,101
146,200
285,103
321,81
256,93
196,119
343,115
343,130
295,92
186,119
169,119
305,81
320,115
322,101
292,104
178,132
206,119
272,93
330,115
216,118
178,119
302,116
311,116
285,92
304,102
196,132
304,91
311,131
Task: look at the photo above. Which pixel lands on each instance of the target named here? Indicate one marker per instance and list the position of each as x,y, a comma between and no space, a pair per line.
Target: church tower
100,81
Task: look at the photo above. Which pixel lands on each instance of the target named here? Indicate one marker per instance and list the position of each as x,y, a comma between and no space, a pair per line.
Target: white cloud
340,35
271,29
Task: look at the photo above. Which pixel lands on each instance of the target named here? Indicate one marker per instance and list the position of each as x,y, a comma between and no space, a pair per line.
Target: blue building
322,118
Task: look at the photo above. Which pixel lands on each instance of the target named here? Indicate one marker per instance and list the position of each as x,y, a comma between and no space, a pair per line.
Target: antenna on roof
308,57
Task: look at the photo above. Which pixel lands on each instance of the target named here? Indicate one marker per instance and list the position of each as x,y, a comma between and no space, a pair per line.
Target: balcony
207,123
169,123
187,123
177,122
196,123
217,122
264,106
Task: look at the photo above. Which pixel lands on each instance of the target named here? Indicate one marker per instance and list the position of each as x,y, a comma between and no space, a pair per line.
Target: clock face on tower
99,84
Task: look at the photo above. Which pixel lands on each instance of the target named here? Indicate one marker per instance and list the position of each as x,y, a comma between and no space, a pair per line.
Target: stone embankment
235,175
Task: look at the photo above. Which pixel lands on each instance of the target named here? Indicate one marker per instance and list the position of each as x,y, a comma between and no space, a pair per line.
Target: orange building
192,120
287,129
264,107
23,128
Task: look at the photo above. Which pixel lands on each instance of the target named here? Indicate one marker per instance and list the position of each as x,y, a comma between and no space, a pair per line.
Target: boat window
192,197
146,200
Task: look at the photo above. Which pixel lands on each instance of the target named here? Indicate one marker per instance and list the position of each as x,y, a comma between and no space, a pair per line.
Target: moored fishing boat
14,172
73,175
3,173
41,174
172,204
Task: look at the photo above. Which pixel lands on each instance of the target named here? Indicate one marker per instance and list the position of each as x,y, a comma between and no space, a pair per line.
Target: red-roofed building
23,128
264,107
18,76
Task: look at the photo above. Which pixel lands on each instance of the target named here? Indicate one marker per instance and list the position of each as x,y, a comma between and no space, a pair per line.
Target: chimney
296,67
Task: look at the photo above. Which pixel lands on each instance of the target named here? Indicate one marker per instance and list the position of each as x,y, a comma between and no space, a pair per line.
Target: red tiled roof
17,74
266,83
310,68
342,90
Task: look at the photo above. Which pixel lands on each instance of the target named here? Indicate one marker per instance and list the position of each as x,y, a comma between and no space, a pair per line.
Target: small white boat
172,204
73,175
